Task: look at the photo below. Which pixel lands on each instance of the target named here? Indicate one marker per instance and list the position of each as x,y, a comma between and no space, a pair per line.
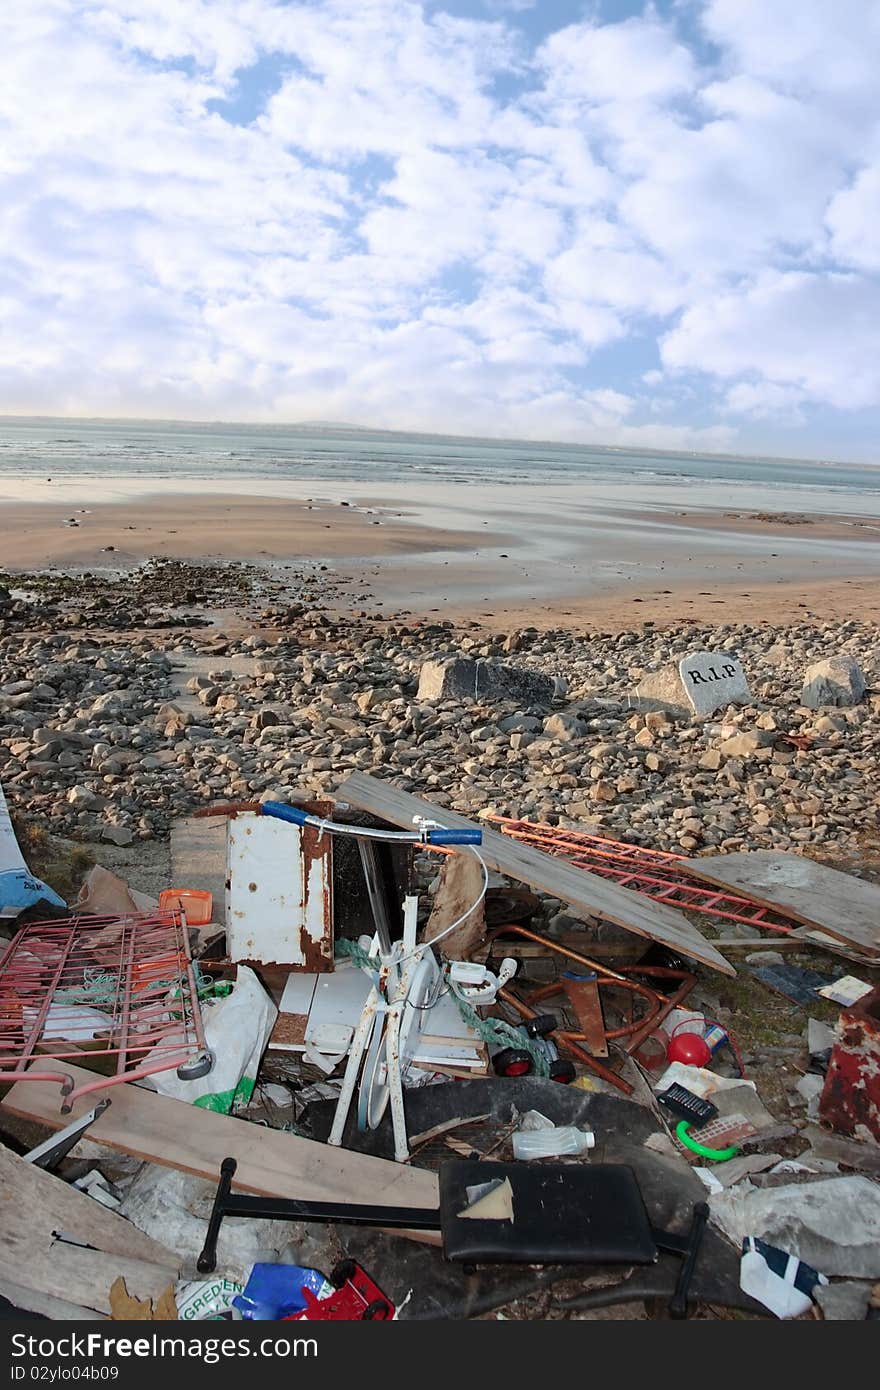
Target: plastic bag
237,1029
549,1143
274,1291
200,1300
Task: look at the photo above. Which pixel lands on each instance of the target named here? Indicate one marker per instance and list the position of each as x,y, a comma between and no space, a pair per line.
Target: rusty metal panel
278,893
850,1100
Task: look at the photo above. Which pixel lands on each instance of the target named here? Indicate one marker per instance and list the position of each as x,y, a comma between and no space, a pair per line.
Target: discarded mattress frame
118,987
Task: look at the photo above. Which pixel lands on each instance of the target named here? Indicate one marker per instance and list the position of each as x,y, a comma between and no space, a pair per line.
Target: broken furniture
758,889
19,888
279,908
657,874
121,989
271,1162
50,1153
579,1045
60,1245
555,1214
406,979
836,909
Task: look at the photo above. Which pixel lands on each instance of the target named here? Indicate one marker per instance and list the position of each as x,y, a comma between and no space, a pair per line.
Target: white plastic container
552,1143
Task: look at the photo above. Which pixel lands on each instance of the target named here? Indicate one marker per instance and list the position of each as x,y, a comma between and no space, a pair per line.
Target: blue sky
613,221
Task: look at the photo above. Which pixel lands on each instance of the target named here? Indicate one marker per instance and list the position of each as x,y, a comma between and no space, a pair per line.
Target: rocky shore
119,712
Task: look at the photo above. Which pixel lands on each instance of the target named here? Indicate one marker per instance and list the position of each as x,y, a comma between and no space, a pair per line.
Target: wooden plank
56,1309
583,996
584,891
461,879
34,1206
843,907
339,998
270,1162
289,1033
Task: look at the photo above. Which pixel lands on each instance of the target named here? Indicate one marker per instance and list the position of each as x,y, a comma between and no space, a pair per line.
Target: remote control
687,1106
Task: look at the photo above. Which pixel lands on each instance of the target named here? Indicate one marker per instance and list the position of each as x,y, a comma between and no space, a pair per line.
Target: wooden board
289,1033
584,891
835,903
461,879
339,998
56,1309
270,1162
35,1205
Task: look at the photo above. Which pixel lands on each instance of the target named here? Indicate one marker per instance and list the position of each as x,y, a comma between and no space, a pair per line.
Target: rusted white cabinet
278,893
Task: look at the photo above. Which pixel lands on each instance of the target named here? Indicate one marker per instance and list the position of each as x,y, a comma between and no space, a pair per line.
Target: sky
613,222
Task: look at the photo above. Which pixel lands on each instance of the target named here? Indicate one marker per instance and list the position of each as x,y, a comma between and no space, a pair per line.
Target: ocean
39,449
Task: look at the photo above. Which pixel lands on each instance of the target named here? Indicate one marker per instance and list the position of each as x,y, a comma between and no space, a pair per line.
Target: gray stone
564,728
520,724
765,958
460,677
712,681
118,835
701,683
112,702
448,679
745,744
845,1301
662,690
85,800
837,680
833,1224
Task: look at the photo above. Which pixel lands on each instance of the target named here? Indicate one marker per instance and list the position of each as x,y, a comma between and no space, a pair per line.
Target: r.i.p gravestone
701,683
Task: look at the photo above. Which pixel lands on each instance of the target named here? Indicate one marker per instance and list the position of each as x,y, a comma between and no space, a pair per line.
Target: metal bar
227,1203
52,1150
376,894
653,873
678,1303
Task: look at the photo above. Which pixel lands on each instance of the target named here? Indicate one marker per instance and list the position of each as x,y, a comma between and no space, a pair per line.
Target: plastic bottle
551,1143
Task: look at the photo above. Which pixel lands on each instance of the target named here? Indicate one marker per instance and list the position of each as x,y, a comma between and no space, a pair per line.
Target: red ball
690,1049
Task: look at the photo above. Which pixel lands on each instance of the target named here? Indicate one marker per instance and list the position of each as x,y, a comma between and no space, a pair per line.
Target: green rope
497,1033
100,989
353,951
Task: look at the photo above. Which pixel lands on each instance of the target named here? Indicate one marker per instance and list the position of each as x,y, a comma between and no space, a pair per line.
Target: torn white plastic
19,888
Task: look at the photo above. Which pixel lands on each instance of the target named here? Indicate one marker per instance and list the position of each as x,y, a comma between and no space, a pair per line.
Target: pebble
93,732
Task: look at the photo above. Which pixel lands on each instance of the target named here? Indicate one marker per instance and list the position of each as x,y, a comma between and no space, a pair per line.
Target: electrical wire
464,916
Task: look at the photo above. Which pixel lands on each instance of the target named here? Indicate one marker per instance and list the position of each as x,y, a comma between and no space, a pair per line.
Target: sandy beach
536,557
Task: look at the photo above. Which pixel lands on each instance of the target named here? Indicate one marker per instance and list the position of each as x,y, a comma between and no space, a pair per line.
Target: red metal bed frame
116,988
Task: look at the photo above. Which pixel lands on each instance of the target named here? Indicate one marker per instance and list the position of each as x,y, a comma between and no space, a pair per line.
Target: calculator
687,1106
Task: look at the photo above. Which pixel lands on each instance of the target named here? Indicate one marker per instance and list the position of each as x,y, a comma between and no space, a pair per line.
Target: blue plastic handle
455,837
281,811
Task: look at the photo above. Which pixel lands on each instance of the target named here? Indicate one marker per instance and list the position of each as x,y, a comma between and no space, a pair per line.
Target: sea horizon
33,447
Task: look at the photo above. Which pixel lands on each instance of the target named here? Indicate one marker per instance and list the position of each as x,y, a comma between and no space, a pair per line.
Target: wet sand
522,556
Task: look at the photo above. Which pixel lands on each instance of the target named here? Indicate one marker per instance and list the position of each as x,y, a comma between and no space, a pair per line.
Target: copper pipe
554,946
650,1025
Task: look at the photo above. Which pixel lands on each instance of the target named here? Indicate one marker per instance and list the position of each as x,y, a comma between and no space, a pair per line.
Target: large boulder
837,680
462,678
699,684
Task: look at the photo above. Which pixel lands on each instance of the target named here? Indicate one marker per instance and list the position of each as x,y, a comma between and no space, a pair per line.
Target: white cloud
815,333
424,220
854,220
